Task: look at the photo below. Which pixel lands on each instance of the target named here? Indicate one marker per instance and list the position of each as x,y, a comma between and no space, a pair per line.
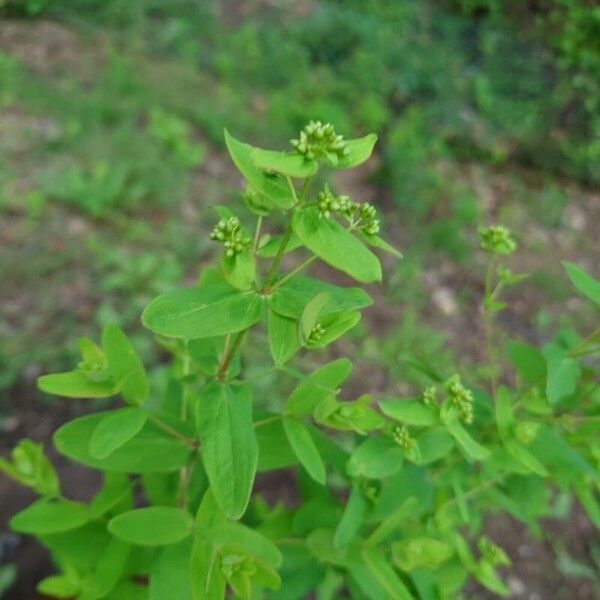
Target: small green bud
430,395
229,231
460,397
316,333
317,140
497,239
402,437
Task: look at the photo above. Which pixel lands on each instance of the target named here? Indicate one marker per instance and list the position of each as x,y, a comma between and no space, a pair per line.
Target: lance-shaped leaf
152,526
335,245
410,411
286,163
124,365
352,519
317,386
283,337
290,299
202,312
472,448
301,441
584,282
150,451
385,574
115,429
76,384
229,446
358,151
49,515
272,186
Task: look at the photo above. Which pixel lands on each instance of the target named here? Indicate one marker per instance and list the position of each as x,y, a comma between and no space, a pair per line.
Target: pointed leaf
273,186
115,429
125,365
75,384
304,447
202,312
152,526
229,445
359,150
584,282
286,163
336,245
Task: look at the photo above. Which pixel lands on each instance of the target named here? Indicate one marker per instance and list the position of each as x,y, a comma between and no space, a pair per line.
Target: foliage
392,492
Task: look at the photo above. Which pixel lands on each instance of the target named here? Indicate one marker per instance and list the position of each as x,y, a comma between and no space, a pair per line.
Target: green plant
391,494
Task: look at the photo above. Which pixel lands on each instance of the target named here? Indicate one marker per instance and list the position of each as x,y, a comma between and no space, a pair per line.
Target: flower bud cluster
361,215
317,140
497,239
229,231
430,396
402,437
461,398
316,333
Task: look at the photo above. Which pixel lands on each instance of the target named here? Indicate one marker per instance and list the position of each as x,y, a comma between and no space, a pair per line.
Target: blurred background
111,152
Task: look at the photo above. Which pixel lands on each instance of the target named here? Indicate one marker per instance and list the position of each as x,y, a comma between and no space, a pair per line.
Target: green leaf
311,312
50,516
291,298
206,579
380,243
151,450
528,361
202,312
405,511
434,444
170,573
352,519
584,282
385,575
420,552
109,570
152,526
335,326
273,186
521,454
229,445
283,337
359,150
239,270
563,373
31,467
410,412
304,447
318,385
115,429
286,163
275,451
124,365
235,536
504,415
473,449
66,585
75,384
378,456
335,245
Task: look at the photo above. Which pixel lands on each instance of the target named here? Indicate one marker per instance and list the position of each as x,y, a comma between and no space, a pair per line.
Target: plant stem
172,431
278,257
267,421
229,354
488,318
294,271
257,234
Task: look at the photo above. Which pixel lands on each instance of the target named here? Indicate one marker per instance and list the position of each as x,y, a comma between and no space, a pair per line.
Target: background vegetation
111,119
